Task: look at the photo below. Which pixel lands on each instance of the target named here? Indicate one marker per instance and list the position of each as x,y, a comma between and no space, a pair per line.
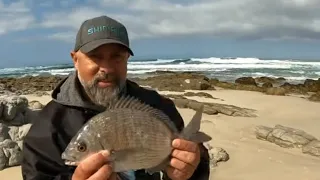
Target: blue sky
41,32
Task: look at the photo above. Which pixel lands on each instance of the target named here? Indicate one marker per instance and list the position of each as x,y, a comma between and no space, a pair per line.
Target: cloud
68,36
15,16
249,19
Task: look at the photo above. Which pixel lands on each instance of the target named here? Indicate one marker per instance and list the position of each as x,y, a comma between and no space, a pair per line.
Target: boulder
312,85
267,85
246,81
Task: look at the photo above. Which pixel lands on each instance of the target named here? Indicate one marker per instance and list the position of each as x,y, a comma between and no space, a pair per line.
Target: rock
20,144
295,88
219,154
286,137
35,105
3,159
177,82
276,91
195,105
265,80
17,133
210,111
280,79
315,97
267,85
4,132
226,85
262,132
200,94
312,148
213,81
12,106
246,81
249,88
215,108
312,85
30,84
296,131
290,137
216,154
12,154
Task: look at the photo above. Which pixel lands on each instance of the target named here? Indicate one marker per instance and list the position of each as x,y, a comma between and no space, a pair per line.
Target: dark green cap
101,30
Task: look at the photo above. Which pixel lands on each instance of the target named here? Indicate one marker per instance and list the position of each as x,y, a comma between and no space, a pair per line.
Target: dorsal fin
130,102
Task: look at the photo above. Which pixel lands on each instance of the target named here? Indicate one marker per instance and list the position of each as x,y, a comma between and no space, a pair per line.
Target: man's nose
107,65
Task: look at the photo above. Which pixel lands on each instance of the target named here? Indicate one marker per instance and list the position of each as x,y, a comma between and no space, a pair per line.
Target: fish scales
142,134
133,129
138,135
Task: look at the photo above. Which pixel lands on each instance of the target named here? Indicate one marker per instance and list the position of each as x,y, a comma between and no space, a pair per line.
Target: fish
137,135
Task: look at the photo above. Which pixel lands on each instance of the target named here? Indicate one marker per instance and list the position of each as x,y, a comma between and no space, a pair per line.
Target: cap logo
112,30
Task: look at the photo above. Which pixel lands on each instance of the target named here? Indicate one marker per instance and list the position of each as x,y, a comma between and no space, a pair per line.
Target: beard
102,96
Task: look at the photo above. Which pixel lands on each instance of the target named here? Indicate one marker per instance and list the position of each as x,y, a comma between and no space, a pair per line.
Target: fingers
176,174
185,145
181,166
91,165
103,173
187,157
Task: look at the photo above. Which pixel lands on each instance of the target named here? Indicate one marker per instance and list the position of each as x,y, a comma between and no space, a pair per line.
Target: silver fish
137,135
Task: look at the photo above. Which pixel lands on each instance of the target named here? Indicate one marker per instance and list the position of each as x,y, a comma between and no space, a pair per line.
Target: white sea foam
212,66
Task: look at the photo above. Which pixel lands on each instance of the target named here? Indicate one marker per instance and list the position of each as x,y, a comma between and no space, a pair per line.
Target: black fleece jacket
55,125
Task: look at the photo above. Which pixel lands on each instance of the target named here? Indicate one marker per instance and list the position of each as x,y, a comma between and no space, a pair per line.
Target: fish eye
82,147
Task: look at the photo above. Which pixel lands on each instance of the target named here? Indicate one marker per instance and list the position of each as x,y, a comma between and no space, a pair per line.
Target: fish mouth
69,159
71,163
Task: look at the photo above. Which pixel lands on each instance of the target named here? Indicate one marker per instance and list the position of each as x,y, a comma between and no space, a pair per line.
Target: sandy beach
250,158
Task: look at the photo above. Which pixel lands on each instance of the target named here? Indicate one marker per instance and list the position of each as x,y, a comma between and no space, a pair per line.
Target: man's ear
74,57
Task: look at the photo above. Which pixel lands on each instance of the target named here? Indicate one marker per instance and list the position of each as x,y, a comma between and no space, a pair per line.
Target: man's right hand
94,167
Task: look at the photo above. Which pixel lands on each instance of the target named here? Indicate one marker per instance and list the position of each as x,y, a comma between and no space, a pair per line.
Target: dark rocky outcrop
246,81
173,81
29,84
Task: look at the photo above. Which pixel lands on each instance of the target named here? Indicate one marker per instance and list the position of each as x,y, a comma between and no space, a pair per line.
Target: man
100,59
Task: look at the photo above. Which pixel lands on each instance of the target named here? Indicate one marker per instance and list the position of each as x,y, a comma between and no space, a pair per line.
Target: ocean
226,69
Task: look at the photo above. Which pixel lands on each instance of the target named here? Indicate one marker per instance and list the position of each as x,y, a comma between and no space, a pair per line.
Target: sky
42,32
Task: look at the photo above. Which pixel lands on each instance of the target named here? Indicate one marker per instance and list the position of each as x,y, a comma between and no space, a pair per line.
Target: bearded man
100,57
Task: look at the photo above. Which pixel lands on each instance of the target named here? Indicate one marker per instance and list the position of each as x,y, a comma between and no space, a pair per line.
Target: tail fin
192,130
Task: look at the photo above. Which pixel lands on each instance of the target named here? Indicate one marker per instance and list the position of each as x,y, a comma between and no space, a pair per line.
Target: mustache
105,77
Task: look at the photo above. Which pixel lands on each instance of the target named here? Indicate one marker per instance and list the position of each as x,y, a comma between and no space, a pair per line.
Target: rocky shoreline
16,111
177,81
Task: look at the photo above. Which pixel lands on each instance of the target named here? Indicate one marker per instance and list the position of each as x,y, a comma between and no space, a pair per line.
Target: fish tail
192,131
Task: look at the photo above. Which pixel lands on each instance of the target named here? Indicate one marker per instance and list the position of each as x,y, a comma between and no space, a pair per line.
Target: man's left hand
184,161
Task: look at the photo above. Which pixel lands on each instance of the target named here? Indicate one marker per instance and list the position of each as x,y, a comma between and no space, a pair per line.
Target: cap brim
96,43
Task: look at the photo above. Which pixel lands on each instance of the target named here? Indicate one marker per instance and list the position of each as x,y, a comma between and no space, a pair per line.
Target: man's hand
94,167
185,159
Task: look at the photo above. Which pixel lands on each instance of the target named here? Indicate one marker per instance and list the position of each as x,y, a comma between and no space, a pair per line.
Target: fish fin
117,158
192,130
200,137
159,167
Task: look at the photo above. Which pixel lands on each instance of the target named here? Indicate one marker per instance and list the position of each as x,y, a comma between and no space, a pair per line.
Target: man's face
102,72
